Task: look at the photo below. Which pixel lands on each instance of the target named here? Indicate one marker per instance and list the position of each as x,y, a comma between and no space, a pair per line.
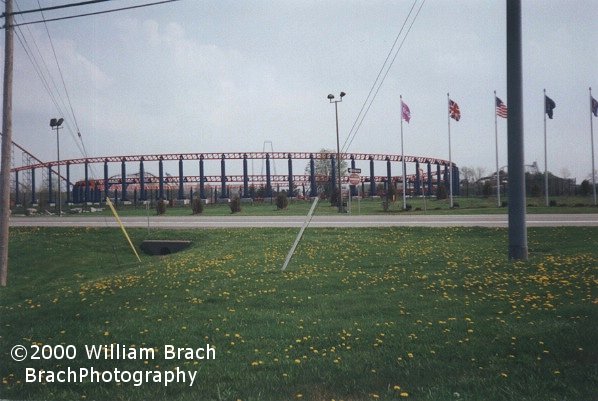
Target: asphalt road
181,222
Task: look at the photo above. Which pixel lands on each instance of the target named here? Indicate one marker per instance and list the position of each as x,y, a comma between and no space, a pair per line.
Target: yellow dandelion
404,394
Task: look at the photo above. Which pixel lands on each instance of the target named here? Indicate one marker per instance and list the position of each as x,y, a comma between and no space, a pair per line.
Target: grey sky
211,76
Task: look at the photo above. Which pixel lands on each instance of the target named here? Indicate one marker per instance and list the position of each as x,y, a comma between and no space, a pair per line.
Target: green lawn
360,314
471,205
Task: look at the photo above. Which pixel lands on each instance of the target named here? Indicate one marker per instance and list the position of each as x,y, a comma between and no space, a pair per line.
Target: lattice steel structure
428,175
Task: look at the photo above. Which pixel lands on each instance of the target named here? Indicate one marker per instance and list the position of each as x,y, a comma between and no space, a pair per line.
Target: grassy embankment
423,314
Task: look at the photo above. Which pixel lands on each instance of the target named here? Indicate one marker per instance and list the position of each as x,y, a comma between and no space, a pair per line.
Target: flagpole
592,138
496,142
450,157
545,153
403,160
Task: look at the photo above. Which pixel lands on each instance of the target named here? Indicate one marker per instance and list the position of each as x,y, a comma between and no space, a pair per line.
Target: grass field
368,314
471,205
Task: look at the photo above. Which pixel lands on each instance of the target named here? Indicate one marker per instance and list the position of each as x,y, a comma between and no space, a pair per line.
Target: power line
41,73
96,12
379,73
83,3
68,98
350,141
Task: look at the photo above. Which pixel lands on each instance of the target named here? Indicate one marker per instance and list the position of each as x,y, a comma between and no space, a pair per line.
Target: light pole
338,150
55,125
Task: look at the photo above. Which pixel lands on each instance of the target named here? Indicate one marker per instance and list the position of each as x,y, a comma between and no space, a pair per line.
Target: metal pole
545,154
592,137
517,224
338,160
58,156
403,160
6,142
496,142
450,156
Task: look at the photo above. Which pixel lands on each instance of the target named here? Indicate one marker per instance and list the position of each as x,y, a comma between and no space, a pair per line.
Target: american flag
405,111
501,108
454,111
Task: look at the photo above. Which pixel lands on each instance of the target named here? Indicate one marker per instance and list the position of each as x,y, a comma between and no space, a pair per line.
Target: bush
161,207
504,204
197,206
441,192
235,205
552,203
282,200
385,205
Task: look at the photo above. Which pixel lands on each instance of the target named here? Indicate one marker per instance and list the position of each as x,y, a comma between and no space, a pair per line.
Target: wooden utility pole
6,142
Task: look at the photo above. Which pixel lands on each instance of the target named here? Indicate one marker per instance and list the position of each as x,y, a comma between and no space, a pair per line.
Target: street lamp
55,124
338,150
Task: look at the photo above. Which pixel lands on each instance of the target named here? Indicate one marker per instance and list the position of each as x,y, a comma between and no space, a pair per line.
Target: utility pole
6,142
517,224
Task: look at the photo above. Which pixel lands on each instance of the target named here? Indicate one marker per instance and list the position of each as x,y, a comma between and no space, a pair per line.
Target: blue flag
549,105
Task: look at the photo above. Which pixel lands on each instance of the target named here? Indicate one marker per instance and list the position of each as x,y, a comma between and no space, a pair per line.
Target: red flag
501,108
454,111
405,111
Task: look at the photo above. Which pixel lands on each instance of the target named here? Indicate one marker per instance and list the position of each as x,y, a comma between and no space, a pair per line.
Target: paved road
533,220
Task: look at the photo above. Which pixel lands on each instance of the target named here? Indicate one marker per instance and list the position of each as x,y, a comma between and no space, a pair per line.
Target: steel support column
223,191
142,196
181,179
417,179
123,172
268,178
86,193
291,189
161,179
429,184
106,195
202,192
245,177
68,183
313,191
50,197
33,199
372,179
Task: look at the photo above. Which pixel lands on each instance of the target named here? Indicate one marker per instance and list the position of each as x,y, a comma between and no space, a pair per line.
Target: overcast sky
212,76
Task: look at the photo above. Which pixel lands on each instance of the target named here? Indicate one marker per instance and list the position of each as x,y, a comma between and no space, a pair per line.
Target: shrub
552,202
235,205
197,206
282,200
441,192
504,204
161,207
385,205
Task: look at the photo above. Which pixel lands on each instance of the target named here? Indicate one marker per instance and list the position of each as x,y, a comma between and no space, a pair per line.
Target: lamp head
342,94
331,96
56,122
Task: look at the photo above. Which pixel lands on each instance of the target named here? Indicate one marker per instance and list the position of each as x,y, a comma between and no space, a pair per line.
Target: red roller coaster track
233,156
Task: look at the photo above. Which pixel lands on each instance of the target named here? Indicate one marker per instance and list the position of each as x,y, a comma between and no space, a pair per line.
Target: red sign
354,179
